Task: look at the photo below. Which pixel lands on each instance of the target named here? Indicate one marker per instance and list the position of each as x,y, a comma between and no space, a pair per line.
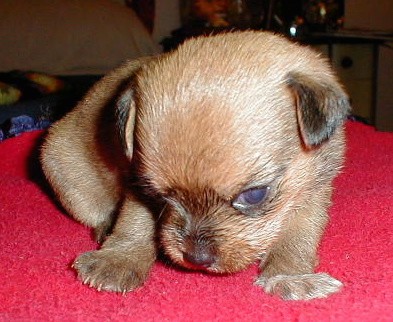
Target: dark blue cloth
20,124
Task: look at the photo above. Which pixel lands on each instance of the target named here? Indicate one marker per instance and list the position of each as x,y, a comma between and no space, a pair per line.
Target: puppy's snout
199,257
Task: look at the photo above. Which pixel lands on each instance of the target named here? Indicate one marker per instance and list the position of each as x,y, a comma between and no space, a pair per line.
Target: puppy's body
240,134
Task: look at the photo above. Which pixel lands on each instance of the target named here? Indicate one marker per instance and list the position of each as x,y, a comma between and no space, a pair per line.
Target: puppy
222,153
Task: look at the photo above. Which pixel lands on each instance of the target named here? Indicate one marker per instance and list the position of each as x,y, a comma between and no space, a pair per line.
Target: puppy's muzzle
199,256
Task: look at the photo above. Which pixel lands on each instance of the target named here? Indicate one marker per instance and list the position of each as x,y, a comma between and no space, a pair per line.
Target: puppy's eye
251,197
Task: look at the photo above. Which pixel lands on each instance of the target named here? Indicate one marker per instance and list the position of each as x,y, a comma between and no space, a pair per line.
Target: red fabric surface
38,242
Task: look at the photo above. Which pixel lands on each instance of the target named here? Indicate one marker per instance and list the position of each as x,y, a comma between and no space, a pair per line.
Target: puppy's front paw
300,287
108,270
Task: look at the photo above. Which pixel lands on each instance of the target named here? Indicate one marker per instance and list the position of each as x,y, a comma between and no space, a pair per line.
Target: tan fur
196,128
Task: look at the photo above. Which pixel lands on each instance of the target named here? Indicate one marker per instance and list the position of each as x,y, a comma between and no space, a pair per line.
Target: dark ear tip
321,107
125,114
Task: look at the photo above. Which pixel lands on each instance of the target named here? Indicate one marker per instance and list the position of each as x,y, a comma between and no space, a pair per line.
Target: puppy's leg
81,181
288,268
126,256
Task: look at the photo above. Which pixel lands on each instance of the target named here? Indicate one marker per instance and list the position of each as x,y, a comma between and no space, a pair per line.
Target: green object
8,94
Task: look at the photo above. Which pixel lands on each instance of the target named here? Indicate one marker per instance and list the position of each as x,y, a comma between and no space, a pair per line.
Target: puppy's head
226,129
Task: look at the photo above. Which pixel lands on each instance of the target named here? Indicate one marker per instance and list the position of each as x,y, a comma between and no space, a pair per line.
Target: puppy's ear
321,107
125,110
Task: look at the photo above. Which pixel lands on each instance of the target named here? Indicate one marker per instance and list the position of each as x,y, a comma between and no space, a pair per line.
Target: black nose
200,258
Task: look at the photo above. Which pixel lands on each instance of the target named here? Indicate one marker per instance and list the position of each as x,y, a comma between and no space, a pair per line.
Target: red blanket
38,243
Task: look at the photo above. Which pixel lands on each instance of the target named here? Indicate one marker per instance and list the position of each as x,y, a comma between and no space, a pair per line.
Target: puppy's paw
300,287
108,270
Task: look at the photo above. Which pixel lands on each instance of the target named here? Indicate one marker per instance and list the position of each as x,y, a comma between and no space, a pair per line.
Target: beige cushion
70,36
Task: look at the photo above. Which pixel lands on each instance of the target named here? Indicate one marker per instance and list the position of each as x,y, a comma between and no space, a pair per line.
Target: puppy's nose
200,258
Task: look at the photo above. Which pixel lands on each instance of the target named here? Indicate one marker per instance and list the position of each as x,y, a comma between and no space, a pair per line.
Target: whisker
162,211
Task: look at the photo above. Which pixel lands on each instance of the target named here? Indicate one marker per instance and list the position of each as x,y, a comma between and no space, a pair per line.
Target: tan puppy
221,153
